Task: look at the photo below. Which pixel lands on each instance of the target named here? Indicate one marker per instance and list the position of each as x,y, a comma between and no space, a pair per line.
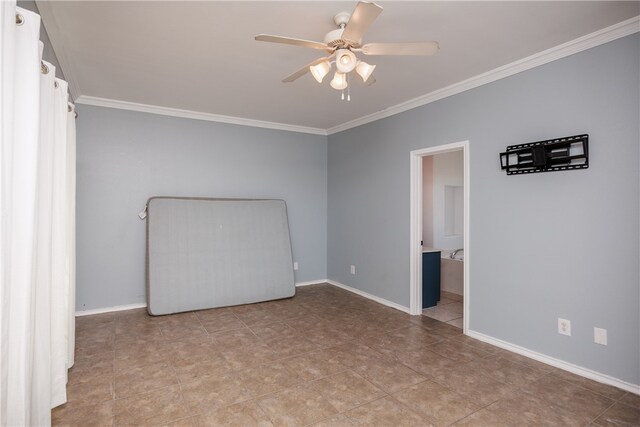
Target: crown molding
196,115
605,35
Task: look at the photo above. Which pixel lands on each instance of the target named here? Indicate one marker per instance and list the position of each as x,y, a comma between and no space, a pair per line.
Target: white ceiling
201,56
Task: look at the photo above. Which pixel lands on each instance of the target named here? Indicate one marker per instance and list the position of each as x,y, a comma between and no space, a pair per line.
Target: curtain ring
43,68
19,19
75,113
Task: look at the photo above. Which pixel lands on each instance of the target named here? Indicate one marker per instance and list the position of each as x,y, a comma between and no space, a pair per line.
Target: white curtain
37,227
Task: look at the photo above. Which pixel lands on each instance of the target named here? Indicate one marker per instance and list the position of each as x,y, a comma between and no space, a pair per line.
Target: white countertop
428,249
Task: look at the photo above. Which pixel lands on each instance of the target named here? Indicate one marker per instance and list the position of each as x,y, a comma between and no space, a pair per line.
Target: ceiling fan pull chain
348,89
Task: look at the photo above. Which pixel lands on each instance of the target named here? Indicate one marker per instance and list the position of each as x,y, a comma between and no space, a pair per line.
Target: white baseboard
312,282
575,369
370,296
578,370
110,309
143,305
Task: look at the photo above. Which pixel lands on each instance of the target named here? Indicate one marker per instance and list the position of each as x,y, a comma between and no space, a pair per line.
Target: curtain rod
44,69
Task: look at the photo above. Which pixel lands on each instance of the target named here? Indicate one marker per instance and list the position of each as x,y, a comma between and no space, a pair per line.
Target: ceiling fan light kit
345,60
343,42
339,81
320,70
365,70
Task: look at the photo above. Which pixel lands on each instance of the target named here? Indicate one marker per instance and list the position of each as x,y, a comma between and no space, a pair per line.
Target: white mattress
206,253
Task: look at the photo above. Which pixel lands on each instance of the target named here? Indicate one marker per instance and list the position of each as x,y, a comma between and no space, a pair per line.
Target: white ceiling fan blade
410,48
304,70
361,19
291,41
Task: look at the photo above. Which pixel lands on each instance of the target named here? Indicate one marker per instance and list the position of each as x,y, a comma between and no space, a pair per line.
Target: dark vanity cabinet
430,278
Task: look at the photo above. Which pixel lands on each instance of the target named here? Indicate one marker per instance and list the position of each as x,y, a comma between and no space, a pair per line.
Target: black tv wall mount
571,152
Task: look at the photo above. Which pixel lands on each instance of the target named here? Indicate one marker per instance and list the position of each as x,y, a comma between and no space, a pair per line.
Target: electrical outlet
600,336
353,269
295,265
564,327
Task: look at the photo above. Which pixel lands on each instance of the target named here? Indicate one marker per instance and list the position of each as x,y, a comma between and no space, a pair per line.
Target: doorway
454,225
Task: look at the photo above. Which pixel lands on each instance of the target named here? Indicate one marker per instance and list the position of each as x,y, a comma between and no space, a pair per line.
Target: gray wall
543,246
126,157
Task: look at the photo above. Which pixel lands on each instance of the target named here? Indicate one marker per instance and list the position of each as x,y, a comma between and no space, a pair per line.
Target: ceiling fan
342,45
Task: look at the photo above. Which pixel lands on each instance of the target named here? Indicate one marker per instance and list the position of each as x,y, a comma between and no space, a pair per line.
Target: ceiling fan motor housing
334,38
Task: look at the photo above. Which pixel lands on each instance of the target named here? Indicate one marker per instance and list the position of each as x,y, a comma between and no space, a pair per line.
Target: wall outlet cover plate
564,327
600,336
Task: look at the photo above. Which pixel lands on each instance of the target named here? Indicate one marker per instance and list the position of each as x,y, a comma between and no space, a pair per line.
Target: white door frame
415,227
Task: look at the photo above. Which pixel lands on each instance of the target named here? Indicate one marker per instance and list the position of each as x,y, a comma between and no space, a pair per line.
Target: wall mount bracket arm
571,152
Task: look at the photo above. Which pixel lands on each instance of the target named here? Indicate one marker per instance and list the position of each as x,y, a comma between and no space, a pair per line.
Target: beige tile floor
449,309
325,357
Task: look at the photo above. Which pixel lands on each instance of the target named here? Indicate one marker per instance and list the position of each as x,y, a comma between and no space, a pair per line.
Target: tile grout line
173,370
354,339
613,402
284,358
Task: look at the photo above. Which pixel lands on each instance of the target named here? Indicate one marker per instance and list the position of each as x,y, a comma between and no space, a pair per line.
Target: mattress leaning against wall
207,253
